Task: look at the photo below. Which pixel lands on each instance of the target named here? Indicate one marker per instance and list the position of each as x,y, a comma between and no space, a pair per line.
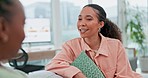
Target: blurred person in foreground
12,20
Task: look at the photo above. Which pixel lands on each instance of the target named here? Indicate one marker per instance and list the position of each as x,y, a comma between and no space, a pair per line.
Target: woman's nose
82,23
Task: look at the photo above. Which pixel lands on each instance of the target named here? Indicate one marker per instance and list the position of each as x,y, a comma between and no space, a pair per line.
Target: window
70,10
142,7
37,27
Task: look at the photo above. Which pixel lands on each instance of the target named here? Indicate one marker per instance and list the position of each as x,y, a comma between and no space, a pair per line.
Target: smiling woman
100,42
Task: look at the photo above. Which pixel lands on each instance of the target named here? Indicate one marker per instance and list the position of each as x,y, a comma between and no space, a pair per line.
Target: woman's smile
83,30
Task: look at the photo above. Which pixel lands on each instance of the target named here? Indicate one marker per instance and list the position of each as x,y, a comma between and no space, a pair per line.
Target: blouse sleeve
60,64
124,69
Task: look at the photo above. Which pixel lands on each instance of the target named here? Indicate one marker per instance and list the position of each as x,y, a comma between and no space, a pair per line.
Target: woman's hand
80,75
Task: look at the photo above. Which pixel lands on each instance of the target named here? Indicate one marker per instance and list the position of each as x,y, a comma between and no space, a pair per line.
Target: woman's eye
89,19
79,19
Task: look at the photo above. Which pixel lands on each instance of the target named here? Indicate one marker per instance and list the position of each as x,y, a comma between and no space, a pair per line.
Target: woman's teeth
83,30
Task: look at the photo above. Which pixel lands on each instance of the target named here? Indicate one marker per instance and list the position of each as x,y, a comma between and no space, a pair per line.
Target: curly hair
109,29
4,11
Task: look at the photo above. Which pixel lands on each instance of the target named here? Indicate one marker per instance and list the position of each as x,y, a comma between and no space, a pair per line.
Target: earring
99,29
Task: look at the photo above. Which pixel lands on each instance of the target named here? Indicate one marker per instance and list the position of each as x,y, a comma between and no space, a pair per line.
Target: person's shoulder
21,73
114,44
74,41
13,73
113,41
110,40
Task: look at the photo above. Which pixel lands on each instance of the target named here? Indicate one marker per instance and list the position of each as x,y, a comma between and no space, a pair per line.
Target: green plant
134,28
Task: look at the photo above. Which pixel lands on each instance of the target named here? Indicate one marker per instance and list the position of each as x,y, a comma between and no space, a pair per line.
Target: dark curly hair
4,11
109,29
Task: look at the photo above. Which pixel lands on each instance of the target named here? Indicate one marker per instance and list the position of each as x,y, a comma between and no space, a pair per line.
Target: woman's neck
93,42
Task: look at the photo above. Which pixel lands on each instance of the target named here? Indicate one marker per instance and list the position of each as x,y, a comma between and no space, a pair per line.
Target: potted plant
134,29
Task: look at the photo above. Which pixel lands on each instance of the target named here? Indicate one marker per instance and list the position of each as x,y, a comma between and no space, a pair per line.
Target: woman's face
14,31
88,24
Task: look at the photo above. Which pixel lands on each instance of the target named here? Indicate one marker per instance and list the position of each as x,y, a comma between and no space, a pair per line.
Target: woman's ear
101,24
3,31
